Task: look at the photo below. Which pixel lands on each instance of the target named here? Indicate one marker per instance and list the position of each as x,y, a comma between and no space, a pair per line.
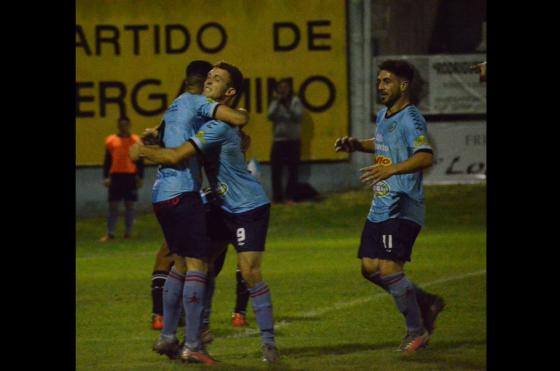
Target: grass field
327,316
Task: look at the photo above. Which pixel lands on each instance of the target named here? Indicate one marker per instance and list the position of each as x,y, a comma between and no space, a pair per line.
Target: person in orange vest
122,177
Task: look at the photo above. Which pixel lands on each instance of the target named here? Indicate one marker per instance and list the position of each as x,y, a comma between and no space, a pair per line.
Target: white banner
459,152
444,84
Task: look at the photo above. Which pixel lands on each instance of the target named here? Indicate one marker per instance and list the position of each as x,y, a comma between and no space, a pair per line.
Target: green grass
327,316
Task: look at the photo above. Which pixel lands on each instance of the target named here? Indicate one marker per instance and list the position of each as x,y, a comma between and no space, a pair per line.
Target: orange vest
118,147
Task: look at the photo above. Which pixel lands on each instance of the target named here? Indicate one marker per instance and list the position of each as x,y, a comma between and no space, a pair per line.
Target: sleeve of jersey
416,135
210,135
205,106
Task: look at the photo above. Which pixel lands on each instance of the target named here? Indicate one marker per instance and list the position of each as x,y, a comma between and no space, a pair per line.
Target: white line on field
315,312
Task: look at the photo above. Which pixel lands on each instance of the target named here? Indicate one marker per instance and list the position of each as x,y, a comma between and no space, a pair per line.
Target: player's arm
164,156
351,144
236,117
418,161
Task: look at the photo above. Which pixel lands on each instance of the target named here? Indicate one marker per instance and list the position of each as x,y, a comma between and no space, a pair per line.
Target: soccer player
195,74
122,176
397,211
178,207
243,216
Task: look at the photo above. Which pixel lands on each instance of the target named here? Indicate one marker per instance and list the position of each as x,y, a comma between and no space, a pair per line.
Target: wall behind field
460,143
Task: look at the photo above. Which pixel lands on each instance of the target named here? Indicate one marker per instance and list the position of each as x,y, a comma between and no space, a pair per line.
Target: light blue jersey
182,120
220,143
397,138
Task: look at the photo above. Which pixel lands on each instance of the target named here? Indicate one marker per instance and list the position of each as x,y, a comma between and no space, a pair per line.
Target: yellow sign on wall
131,57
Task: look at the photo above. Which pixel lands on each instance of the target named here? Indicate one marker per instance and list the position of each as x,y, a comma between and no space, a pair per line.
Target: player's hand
139,182
151,136
347,144
376,173
245,141
134,151
107,182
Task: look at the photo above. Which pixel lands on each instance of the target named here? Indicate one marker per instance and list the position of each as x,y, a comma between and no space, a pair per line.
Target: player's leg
430,305
397,237
172,227
162,266
239,315
195,246
250,232
215,263
168,343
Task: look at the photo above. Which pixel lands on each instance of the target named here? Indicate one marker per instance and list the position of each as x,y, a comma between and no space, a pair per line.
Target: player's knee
180,264
369,266
251,275
388,267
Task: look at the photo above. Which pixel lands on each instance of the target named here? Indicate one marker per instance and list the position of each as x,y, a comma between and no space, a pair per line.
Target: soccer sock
112,221
241,294
423,297
193,300
262,306
208,300
129,220
172,290
158,280
402,291
376,279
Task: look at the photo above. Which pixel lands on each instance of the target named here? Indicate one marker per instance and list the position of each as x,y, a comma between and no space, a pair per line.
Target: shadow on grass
442,353
334,349
295,318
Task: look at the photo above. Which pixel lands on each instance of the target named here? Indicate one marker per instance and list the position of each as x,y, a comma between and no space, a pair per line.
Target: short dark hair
400,68
198,68
234,73
123,118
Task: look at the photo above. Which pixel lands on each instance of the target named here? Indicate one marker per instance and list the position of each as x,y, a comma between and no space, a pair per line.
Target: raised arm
351,144
163,156
236,117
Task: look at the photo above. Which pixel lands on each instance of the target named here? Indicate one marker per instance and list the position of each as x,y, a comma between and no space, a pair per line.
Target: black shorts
389,240
183,224
246,231
123,187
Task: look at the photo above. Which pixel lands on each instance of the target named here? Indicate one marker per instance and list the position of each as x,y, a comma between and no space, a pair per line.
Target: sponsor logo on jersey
222,189
378,138
381,189
382,160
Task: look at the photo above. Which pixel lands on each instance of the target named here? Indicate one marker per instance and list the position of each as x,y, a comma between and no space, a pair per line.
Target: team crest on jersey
421,141
222,189
381,189
382,160
200,135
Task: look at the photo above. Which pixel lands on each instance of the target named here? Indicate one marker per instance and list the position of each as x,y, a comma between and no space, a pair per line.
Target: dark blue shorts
123,187
389,240
183,224
246,231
